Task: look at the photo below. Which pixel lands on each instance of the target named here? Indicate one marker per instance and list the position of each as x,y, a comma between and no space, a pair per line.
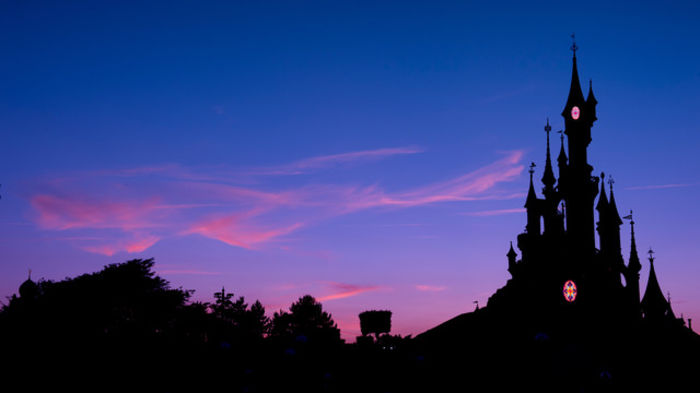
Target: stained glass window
569,291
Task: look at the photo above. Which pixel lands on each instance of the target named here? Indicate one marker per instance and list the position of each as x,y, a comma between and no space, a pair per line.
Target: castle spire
531,195
548,178
562,153
654,304
632,270
614,215
634,265
511,260
591,97
575,94
532,205
602,205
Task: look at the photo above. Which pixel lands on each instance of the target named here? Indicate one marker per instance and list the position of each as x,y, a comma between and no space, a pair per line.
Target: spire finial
30,275
611,181
561,136
629,217
574,47
532,169
651,255
547,127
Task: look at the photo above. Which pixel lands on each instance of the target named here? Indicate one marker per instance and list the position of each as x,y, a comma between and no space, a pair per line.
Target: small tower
532,206
561,163
511,260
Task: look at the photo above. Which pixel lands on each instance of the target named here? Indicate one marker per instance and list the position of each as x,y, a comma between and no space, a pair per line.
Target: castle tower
581,188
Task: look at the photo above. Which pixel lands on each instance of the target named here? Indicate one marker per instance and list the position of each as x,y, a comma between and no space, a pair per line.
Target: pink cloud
230,230
486,213
662,186
190,272
56,212
169,200
430,288
346,290
130,246
303,166
468,187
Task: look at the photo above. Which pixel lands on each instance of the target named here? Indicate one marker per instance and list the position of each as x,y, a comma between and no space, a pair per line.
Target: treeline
126,322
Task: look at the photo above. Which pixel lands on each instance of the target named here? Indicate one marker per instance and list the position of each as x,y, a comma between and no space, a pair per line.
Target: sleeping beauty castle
573,311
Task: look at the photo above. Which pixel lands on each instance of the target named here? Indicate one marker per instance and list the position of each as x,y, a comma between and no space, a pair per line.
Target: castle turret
512,255
532,206
548,178
655,307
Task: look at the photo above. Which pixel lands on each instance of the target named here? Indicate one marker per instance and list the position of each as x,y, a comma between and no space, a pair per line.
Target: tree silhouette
306,320
258,324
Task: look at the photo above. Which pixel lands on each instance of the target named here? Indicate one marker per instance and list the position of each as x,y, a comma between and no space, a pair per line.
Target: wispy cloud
430,288
343,290
189,272
498,212
662,186
230,230
169,200
318,162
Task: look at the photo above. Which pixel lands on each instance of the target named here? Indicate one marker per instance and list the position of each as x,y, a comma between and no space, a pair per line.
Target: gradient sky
372,155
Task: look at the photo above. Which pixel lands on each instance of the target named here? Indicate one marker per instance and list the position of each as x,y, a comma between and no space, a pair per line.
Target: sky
371,154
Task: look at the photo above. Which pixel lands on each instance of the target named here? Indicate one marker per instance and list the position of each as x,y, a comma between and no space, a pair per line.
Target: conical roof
654,304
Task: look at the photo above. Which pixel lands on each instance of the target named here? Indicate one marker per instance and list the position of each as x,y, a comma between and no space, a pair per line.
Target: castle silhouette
571,310
570,318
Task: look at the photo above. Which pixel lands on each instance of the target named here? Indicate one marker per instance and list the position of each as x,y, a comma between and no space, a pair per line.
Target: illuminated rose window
575,113
569,291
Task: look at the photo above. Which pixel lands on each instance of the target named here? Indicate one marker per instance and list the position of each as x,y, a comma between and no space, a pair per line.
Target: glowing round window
569,291
575,113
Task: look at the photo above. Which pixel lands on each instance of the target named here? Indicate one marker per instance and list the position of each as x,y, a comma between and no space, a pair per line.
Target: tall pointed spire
548,178
532,204
614,215
602,205
634,265
575,94
562,153
531,195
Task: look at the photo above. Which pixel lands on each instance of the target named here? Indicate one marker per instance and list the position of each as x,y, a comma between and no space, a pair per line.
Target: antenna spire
574,47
